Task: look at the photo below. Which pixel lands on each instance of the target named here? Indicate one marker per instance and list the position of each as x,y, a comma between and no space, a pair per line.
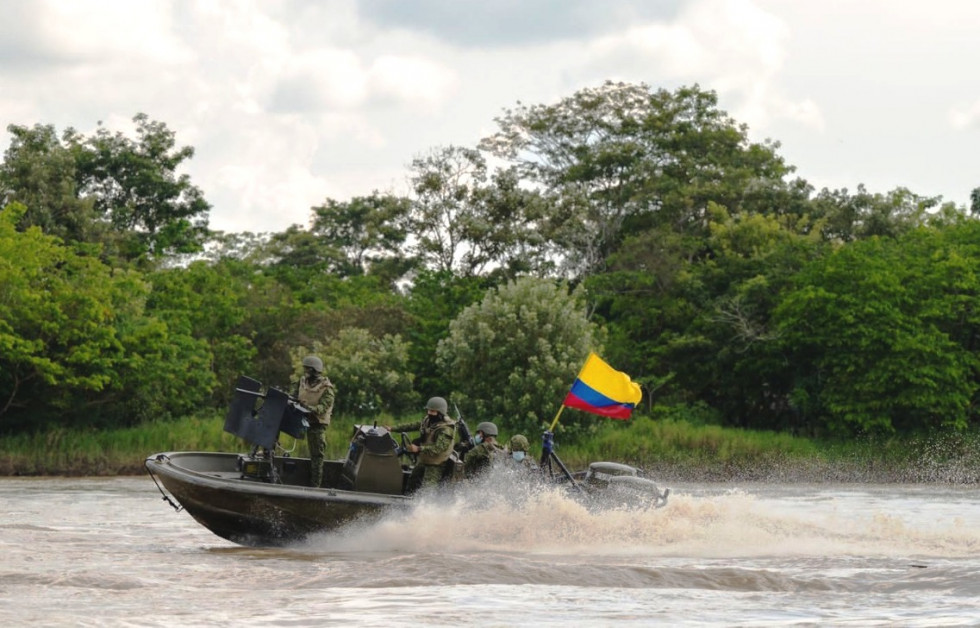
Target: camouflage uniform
318,396
518,442
437,433
481,457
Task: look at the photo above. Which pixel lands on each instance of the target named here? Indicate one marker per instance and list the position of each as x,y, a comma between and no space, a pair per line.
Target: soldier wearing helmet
485,452
316,393
518,453
437,431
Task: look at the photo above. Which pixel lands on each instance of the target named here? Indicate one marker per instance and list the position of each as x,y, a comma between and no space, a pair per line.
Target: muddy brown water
110,552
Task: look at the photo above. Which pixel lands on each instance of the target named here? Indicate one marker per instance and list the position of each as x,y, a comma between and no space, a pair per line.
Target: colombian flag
600,389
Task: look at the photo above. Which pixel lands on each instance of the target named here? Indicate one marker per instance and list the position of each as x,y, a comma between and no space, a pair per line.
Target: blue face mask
478,439
518,455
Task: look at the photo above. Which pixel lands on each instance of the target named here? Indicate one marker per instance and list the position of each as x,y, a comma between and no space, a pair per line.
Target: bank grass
76,452
644,440
669,448
672,448
678,449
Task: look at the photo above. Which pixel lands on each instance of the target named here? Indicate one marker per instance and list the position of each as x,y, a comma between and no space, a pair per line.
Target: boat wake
728,524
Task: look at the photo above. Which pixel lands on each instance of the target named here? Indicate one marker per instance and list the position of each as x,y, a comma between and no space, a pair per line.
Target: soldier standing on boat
435,444
484,453
316,393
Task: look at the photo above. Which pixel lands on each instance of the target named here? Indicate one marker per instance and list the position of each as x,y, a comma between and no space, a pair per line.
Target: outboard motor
600,473
623,481
372,464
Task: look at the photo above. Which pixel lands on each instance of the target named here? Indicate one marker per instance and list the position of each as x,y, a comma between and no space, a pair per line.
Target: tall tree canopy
882,335
469,221
123,193
623,158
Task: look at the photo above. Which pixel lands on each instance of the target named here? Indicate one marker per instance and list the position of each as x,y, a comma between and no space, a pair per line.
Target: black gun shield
242,407
265,430
292,422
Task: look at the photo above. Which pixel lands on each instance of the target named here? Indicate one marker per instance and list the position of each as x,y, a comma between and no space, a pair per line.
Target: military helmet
519,443
313,362
438,404
488,428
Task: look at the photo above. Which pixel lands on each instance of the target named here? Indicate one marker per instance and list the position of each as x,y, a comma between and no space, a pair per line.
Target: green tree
693,318
621,158
881,333
298,259
446,183
206,302
40,172
56,331
507,234
728,354
845,217
468,221
108,189
135,186
291,295
512,357
76,346
434,300
368,233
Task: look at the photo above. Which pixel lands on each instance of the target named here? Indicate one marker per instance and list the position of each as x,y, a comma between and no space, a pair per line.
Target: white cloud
321,79
806,112
411,79
962,117
264,175
287,103
96,30
731,46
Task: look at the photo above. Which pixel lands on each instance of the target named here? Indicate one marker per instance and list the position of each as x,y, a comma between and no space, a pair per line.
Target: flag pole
555,422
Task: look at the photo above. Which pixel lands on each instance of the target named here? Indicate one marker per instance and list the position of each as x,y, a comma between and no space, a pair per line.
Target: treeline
640,223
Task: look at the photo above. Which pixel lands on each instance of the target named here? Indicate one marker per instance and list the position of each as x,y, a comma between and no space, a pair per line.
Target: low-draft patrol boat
262,499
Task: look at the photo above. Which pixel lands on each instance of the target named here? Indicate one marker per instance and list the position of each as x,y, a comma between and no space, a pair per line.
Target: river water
111,552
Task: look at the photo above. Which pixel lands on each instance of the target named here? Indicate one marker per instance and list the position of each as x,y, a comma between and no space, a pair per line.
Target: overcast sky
290,102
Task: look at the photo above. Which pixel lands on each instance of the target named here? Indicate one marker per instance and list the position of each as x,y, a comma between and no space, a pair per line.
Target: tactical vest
310,396
429,430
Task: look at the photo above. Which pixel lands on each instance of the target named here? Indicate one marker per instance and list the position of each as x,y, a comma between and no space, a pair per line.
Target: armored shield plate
265,429
241,411
293,422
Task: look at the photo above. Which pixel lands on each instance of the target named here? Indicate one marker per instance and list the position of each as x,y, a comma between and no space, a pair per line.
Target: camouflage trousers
316,438
425,476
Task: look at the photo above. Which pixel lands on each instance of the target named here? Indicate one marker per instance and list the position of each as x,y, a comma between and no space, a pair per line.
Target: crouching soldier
517,454
437,431
484,453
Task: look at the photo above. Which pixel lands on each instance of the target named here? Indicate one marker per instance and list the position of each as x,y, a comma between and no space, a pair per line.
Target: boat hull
211,488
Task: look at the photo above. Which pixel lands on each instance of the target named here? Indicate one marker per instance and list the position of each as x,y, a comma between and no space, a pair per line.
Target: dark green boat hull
212,489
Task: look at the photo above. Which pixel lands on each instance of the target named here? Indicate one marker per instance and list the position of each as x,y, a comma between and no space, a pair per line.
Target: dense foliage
640,223
512,356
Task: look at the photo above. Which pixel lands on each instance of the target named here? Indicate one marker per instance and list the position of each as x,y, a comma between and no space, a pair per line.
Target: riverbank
668,450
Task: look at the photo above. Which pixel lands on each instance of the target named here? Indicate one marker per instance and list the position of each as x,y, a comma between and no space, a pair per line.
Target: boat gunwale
167,463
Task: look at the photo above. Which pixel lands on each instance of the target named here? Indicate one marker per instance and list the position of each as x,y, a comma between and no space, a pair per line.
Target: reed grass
670,448
122,451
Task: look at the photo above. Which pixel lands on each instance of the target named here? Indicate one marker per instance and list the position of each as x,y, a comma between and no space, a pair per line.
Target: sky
288,103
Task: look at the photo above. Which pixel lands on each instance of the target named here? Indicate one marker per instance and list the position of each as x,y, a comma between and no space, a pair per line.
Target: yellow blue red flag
603,390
